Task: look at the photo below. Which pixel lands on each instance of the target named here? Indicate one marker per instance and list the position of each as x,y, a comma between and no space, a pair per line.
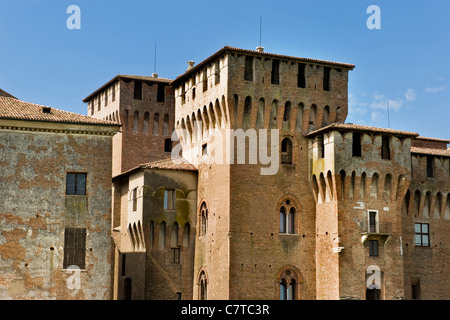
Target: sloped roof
357,127
129,77
170,164
431,151
253,52
12,108
3,93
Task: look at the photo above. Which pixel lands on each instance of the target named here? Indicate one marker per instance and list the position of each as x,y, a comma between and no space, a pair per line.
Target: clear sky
406,62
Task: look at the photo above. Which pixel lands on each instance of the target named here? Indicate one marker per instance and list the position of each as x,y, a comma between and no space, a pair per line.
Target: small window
138,90
248,74
203,219
175,255
373,221
326,78
205,149
320,147
76,184
169,199
430,167
74,247
106,97
275,79
168,145
422,234
286,151
301,80
385,148
160,96
113,92
373,248
356,144
134,198
287,218
183,94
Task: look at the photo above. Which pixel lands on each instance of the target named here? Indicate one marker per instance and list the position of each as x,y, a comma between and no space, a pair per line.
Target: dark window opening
286,151
275,79
205,80
138,90
193,93
356,144
372,221
301,80
183,94
74,247
248,74
373,294
134,198
179,296
430,167
373,248
326,78
76,183
175,255
385,148
169,199
168,145
161,93
415,291
321,147
205,149
124,263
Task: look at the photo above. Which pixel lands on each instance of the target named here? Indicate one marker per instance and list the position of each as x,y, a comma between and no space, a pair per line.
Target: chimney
154,75
260,49
191,64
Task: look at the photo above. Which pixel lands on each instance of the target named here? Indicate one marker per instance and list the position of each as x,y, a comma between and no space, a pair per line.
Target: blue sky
406,62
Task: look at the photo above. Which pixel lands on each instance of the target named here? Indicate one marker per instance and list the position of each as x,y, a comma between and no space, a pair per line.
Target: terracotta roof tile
430,151
169,164
357,127
124,76
11,108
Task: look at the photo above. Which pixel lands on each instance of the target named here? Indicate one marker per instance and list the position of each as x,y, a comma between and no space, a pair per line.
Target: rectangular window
248,74
99,102
161,93
175,255
74,247
134,198
373,248
385,147
356,144
205,80
76,183
275,79
217,72
169,199
430,167
205,149
106,97
113,92
183,94
301,80
168,145
373,221
138,90
422,234
326,78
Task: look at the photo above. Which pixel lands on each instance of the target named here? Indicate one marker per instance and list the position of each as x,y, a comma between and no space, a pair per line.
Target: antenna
260,29
154,65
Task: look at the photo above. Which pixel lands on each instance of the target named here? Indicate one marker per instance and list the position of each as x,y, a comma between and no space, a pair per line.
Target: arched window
135,122
203,286
287,116
286,151
260,114
155,124
166,125
203,219
288,285
287,217
247,112
145,125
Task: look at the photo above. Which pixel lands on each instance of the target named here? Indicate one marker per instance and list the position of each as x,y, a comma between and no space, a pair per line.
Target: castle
240,180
